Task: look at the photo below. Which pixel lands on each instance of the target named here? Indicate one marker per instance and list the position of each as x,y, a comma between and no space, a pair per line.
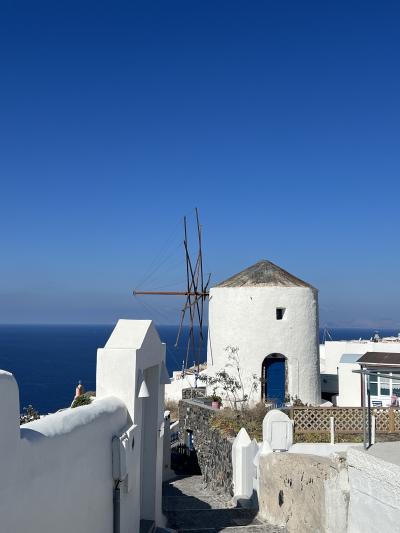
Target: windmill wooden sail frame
197,290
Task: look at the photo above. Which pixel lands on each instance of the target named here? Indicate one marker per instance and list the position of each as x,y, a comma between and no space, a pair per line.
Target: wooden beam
173,293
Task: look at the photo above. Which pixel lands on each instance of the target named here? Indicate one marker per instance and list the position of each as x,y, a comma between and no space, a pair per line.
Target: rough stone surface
214,451
308,494
189,505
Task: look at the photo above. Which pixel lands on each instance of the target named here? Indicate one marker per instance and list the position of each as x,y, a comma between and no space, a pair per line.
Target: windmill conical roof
264,274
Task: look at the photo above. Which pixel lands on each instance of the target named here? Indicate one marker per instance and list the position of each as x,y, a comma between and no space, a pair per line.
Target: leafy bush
84,399
231,385
216,398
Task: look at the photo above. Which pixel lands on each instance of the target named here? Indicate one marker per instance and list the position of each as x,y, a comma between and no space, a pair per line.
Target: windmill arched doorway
274,379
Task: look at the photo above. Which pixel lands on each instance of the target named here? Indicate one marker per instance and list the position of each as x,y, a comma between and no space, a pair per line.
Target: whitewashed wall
349,385
334,350
56,474
132,366
173,390
246,317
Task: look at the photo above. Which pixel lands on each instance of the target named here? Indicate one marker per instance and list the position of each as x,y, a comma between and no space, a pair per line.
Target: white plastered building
271,316
97,468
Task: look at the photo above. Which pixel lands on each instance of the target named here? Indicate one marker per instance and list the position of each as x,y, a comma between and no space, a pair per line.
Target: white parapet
278,430
374,488
59,468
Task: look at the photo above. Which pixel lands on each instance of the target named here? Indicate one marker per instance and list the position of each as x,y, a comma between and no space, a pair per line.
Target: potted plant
216,401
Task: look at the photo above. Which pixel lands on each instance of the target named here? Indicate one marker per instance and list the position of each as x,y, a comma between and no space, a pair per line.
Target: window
280,312
373,385
385,386
396,387
381,386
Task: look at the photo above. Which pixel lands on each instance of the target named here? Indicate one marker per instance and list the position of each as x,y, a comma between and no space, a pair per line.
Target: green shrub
229,421
84,399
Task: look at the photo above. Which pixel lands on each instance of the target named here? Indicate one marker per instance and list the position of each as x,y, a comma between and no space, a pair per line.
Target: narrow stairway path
192,508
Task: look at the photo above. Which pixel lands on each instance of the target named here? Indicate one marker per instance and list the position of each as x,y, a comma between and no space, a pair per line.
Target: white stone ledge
70,420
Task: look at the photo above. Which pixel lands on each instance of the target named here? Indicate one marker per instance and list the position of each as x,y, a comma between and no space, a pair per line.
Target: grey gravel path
192,508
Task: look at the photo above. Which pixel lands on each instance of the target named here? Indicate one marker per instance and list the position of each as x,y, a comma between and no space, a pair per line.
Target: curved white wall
246,317
56,473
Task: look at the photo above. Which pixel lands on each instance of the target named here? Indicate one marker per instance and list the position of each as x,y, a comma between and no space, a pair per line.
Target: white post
242,463
167,473
332,430
373,429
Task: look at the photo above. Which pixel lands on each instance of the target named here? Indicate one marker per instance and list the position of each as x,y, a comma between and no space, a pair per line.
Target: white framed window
382,386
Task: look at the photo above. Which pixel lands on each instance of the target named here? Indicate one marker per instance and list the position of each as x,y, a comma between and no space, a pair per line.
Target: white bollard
242,463
373,429
332,420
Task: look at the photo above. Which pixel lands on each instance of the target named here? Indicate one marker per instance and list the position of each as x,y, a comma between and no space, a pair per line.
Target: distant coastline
48,360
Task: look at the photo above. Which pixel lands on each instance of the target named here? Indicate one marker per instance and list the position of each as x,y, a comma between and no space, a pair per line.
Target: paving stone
213,518
191,507
193,488
265,528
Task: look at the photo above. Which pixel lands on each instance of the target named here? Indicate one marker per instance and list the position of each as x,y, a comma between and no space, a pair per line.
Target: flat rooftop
387,340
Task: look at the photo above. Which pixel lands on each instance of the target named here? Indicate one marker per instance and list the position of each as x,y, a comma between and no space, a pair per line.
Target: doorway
274,379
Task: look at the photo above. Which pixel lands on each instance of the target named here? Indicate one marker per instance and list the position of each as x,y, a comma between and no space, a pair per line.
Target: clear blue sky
279,120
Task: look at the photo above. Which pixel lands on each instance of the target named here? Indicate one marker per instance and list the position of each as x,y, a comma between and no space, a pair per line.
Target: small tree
232,382
29,415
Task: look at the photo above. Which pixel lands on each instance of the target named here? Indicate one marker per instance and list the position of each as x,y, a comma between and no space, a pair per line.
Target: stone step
191,493
191,507
147,526
241,529
187,503
211,518
266,528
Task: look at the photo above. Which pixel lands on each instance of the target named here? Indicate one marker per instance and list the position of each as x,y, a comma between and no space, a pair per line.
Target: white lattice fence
382,420
347,419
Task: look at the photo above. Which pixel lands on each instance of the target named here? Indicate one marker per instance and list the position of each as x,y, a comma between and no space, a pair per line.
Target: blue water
47,361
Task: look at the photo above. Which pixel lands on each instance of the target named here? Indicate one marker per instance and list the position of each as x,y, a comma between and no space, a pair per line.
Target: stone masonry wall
214,450
304,493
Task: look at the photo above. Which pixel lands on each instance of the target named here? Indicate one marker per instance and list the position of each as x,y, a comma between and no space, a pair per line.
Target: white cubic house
384,389
271,316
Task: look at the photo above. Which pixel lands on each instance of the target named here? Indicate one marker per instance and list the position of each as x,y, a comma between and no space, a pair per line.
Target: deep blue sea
48,361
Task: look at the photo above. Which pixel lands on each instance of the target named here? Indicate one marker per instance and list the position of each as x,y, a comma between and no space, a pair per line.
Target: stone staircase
192,508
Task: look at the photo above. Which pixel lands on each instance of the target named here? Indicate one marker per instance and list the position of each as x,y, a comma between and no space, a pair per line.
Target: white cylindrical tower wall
246,317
